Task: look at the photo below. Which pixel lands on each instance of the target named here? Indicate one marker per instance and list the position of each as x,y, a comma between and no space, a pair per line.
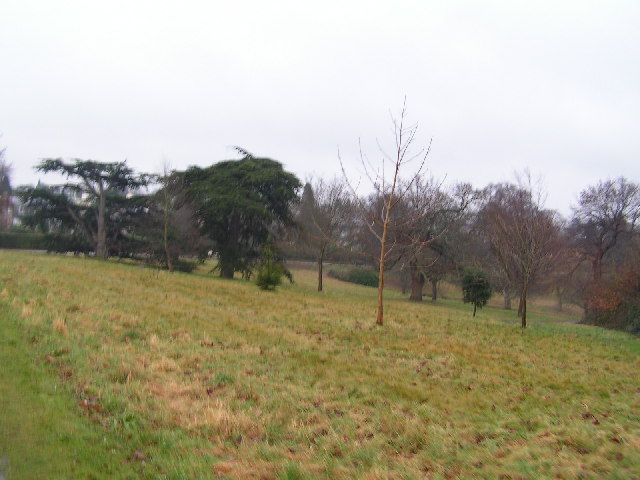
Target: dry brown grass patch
164,364
181,334
253,470
60,326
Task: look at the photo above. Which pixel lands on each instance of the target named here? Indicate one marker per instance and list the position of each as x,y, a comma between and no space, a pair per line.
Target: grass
41,430
189,376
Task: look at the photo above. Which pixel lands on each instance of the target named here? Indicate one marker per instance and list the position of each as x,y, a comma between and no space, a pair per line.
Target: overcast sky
500,86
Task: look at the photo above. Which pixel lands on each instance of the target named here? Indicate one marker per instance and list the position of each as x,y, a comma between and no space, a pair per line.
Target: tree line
251,214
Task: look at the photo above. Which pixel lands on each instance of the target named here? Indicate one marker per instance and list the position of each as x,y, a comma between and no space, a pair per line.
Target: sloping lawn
187,376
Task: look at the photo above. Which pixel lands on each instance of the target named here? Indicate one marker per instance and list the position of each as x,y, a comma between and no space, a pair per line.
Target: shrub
360,275
616,304
183,265
65,243
270,270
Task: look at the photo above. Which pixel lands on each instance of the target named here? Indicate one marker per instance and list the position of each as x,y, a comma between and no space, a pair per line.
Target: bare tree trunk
523,323
560,295
417,282
434,290
596,266
404,137
585,308
383,241
520,305
226,272
506,294
380,316
165,233
474,309
101,243
320,264
165,241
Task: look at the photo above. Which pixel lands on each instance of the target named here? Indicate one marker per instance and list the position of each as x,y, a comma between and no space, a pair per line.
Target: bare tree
604,214
524,237
563,278
386,182
323,215
423,218
165,180
441,261
478,253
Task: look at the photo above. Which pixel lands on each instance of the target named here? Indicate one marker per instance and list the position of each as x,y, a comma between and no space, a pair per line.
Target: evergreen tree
476,288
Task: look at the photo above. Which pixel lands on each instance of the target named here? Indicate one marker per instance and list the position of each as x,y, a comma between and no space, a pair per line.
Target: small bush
616,304
182,265
476,288
270,270
360,275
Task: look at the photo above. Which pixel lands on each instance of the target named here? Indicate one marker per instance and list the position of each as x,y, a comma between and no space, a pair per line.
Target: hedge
360,275
24,241
41,241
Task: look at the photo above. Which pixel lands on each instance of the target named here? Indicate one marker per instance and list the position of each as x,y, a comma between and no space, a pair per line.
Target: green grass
42,431
189,376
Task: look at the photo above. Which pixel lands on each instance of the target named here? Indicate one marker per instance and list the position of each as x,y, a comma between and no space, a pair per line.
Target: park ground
118,371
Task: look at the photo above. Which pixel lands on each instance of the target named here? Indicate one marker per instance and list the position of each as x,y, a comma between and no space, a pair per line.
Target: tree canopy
322,216
605,213
524,237
92,202
238,204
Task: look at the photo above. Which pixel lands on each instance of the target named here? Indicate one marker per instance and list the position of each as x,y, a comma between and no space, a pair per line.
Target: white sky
500,86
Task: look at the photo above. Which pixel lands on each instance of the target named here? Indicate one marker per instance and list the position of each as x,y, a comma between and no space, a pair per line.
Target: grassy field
117,371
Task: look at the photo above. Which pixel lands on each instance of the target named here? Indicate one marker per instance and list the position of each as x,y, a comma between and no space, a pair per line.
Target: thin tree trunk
434,290
523,303
474,309
167,254
560,295
520,306
585,307
165,241
506,294
417,282
596,266
165,233
383,254
320,263
380,316
101,244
